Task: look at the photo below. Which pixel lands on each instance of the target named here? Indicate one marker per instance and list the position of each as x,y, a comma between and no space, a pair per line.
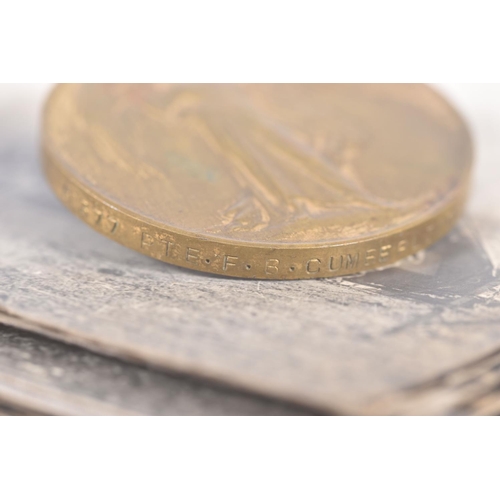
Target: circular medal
271,181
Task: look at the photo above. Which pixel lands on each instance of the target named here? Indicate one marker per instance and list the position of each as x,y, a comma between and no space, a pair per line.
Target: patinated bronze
260,181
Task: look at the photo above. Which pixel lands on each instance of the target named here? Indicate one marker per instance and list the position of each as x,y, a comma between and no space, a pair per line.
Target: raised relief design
282,177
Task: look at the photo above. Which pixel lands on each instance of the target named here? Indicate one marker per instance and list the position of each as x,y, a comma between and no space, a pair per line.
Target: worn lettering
192,255
272,266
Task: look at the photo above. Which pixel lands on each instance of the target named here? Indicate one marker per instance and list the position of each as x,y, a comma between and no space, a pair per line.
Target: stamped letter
332,266
167,244
351,261
272,266
229,260
384,253
313,266
192,255
402,246
370,256
146,240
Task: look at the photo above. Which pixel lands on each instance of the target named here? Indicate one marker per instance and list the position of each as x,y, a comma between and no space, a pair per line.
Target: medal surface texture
268,181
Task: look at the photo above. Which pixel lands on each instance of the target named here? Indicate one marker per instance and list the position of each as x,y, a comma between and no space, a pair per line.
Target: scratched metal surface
43,376
341,345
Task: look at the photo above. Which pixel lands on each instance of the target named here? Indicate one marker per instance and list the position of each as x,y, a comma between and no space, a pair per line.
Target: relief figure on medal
267,165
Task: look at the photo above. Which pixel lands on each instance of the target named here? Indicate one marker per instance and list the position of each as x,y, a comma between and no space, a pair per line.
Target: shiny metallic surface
260,181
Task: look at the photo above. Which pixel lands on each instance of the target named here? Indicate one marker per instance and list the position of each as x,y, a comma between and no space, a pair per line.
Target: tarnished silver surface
43,376
345,345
